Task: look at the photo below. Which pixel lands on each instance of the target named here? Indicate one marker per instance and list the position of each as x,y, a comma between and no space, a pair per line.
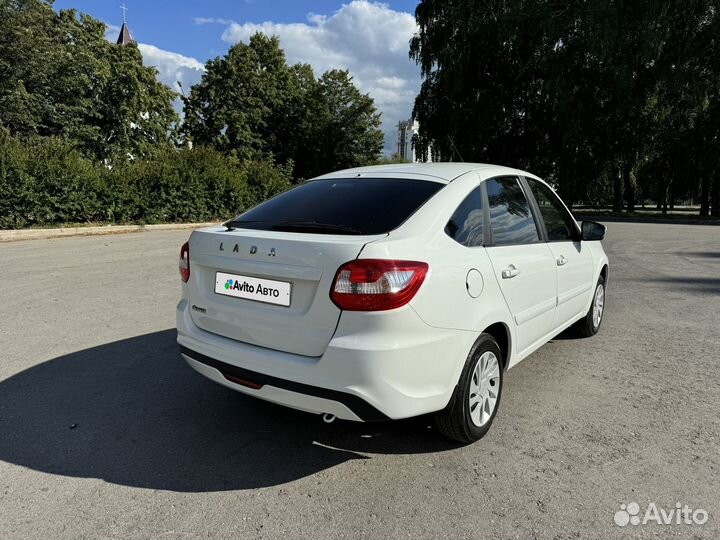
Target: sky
368,38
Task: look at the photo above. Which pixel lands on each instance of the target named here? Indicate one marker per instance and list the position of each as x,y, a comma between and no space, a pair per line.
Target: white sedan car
388,292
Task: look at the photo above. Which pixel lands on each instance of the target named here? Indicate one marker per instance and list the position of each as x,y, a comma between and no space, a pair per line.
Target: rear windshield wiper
312,226
301,225
233,223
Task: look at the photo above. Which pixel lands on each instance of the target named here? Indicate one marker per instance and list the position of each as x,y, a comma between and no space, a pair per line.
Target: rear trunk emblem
253,249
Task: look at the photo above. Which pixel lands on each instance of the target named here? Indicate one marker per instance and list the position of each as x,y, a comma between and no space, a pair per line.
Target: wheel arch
604,272
501,333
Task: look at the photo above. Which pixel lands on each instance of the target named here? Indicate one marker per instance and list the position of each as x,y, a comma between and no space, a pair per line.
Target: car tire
472,407
590,325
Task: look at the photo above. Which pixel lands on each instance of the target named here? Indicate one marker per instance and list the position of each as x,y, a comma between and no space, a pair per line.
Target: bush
46,181
175,186
264,179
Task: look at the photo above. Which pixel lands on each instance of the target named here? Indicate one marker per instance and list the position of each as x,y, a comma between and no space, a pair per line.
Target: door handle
561,260
510,272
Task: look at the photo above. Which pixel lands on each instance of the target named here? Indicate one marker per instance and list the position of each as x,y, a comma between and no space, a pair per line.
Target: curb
40,234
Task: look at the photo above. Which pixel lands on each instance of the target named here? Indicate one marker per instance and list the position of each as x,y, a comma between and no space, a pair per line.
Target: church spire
124,38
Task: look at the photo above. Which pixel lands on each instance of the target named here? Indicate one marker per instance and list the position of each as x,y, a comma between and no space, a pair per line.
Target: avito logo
235,285
681,514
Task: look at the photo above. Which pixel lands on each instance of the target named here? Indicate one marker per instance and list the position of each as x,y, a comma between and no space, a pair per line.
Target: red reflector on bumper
243,382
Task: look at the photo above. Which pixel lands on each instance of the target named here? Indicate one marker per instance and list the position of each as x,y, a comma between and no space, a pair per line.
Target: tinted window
510,217
344,206
466,224
558,223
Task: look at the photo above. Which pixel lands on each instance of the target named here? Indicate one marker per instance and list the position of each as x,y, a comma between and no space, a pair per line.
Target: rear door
573,259
523,263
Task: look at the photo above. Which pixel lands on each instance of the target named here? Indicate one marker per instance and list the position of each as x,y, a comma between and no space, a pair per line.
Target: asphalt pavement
105,432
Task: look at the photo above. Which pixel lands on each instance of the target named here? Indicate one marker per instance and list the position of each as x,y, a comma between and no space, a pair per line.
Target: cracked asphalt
105,432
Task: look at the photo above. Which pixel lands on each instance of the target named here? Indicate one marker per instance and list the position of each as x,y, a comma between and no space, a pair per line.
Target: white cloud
111,32
367,38
212,20
172,67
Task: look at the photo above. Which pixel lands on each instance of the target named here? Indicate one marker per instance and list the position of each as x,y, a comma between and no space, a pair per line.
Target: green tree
251,104
343,128
242,100
50,68
59,76
602,98
135,111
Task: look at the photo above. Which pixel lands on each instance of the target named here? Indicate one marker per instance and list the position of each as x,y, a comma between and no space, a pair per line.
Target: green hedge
45,181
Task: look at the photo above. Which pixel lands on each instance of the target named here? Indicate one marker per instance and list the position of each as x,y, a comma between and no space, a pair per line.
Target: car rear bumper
367,373
297,395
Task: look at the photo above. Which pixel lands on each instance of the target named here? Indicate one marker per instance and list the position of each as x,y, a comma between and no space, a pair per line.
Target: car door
522,261
573,258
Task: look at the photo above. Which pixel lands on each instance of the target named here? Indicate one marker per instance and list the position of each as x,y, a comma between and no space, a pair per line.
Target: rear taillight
376,284
185,262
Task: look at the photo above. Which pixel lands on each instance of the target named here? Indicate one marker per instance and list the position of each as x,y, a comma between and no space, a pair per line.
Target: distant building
405,147
124,38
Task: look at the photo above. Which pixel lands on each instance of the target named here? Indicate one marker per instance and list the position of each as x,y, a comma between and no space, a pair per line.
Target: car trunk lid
306,262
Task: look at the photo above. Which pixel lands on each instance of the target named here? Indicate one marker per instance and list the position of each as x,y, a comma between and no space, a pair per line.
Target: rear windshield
340,206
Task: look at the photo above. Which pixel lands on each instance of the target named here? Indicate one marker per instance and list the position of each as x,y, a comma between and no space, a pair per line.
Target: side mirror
592,230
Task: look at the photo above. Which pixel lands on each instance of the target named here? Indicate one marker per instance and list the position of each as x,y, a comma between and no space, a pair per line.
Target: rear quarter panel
443,301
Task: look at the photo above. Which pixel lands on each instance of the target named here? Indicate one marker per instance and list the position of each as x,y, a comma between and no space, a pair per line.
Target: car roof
438,171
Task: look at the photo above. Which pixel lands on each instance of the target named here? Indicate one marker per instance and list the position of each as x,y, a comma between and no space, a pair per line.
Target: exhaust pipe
328,418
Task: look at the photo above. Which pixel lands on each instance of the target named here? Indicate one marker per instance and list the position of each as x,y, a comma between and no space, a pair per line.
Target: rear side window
559,224
511,220
341,206
466,224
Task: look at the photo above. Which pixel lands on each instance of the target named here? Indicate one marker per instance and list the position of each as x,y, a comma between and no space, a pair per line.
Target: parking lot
105,432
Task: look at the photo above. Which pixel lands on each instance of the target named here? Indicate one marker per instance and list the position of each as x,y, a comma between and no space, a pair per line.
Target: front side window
466,224
559,224
511,220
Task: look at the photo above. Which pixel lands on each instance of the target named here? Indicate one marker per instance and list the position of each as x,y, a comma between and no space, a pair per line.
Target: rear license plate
252,288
